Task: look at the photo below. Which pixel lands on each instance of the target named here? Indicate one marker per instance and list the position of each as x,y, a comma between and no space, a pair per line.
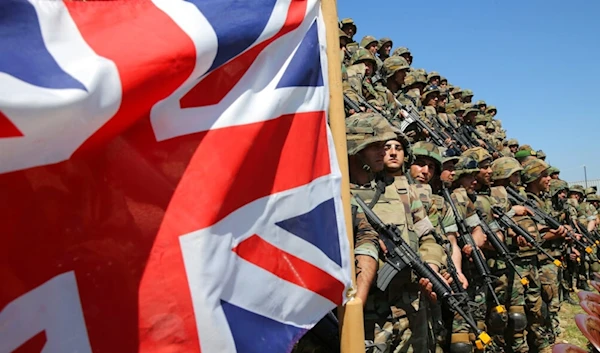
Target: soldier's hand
447,278
463,148
427,289
351,111
495,155
467,249
463,280
522,210
481,144
522,242
382,246
573,256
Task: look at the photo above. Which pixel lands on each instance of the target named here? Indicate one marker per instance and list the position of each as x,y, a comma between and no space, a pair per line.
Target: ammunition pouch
460,343
517,319
496,321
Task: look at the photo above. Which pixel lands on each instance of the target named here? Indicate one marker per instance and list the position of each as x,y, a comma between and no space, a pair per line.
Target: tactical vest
554,246
393,207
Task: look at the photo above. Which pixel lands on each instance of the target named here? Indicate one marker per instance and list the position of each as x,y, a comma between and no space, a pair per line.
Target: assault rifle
400,255
542,217
489,146
508,222
480,263
500,247
412,117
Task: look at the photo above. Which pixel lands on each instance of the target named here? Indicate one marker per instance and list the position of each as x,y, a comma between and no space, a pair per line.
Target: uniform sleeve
366,239
431,252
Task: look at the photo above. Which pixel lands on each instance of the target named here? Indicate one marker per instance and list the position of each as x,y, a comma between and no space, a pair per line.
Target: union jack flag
168,178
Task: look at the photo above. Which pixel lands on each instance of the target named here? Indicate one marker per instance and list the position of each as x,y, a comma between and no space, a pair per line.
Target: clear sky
537,61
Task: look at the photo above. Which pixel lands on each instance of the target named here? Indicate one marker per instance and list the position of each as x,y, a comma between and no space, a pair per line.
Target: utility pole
585,176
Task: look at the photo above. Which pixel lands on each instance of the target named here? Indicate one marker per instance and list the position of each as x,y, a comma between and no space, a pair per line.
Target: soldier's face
513,148
515,178
544,181
349,30
554,176
369,66
387,48
492,113
435,81
394,155
443,84
432,99
562,194
372,48
423,170
408,58
468,182
467,99
575,196
373,156
484,177
399,76
448,172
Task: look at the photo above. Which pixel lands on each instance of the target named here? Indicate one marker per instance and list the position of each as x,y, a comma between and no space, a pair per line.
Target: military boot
567,297
582,285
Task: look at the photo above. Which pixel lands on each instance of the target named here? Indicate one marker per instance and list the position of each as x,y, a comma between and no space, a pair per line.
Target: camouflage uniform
358,86
521,298
465,206
549,273
487,198
397,204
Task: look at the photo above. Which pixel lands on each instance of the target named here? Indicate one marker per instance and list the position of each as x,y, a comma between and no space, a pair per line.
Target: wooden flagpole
350,315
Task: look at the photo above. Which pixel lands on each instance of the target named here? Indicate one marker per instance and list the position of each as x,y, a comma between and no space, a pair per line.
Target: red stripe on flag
236,165
7,128
230,168
290,268
218,83
153,55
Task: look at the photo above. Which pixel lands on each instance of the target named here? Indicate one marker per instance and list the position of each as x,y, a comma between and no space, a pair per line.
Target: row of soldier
489,218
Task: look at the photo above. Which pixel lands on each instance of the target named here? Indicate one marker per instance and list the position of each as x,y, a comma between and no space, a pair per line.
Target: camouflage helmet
365,128
553,170
479,154
481,119
382,42
465,165
557,185
491,126
348,21
366,40
363,54
428,149
589,191
467,93
429,90
433,74
421,72
401,50
468,108
393,64
456,89
533,169
513,142
540,154
577,189
481,102
452,107
593,197
504,167
413,78
442,79
489,109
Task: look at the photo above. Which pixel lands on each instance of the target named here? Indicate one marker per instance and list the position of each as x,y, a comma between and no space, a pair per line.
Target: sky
537,61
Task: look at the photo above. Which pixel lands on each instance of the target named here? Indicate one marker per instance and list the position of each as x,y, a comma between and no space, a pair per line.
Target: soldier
414,86
347,25
481,106
524,299
444,86
540,155
535,177
344,53
384,48
559,192
370,43
554,173
466,96
586,212
395,69
369,137
492,111
405,53
358,87
433,78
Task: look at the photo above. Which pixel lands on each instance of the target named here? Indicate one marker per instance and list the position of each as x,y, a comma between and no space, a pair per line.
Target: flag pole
350,315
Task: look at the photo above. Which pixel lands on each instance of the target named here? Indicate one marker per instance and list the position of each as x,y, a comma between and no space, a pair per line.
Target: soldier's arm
366,252
351,87
431,252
